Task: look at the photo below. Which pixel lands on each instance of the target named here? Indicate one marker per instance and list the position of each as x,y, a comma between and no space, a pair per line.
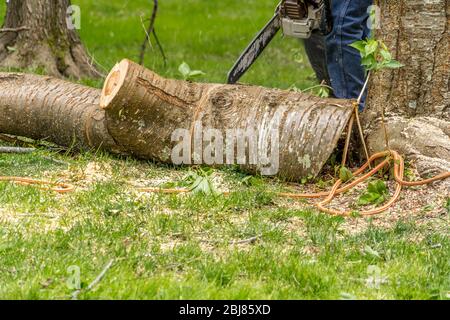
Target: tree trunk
36,34
58,111
416,97
281,133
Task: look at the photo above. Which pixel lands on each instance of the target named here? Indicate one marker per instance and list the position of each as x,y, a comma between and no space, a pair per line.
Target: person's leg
315,48
347,76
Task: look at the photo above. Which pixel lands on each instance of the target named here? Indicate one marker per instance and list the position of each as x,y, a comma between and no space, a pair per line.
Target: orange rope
399,167
398,172
388,156
44,185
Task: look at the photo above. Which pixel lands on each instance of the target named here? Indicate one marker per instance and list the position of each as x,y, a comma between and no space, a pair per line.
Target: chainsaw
297,18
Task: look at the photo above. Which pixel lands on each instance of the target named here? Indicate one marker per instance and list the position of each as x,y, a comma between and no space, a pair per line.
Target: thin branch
148,32
358,122
6,138
322,85
23,28
347,140
16,150
147,36
101,275
255,238
26,142
249,240
158,43
96,280
93,63
364,88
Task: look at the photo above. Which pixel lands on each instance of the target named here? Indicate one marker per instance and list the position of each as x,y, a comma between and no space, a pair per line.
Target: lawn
249,245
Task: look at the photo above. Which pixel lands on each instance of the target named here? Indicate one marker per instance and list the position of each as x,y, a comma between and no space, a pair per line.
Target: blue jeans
346,75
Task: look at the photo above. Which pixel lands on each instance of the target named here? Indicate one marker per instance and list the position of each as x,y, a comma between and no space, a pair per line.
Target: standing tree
40,33
415,98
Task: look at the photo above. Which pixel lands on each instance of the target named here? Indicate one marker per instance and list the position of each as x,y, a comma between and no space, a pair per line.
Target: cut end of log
114,82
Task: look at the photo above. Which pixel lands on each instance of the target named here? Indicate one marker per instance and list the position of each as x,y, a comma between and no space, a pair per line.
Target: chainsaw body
297,18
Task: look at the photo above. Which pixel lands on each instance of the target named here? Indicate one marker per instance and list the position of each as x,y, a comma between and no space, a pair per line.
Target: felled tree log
139,113
55,110
143,110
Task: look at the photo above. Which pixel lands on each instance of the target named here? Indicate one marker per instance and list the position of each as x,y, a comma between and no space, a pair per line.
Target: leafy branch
375,55
197,181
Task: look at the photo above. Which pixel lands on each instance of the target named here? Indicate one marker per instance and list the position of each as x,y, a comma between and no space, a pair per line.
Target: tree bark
416,98
36,34
58,111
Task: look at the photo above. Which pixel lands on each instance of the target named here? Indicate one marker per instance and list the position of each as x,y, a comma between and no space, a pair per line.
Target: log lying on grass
140,113
45,108
143,111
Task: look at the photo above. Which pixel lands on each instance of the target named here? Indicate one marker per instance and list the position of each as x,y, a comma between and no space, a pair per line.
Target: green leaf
324,92
355,214
184,69
372,252
195,184
377,187
371,47
369,62
345,174
368,198
375,55
196,73
376,193
251,181
386,55
393,64
187,73
200,181
294,88
360,46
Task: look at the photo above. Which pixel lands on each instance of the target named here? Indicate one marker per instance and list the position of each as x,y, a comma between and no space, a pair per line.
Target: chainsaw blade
254,50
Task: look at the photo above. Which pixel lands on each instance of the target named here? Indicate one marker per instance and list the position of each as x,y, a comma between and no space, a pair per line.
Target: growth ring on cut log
297,130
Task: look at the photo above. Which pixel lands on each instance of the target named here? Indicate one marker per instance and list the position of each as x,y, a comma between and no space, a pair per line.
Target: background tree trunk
36,35
416,97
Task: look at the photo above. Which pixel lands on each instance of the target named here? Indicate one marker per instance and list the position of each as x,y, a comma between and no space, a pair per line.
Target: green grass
174,247
171,247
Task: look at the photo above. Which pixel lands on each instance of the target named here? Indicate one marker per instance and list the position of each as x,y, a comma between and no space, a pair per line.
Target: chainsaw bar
255,49
297,18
